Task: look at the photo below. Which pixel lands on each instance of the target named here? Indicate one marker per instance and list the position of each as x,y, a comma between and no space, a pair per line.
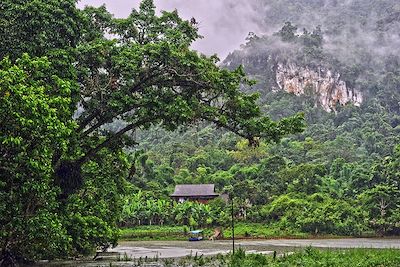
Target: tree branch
230,128
112,138
99,112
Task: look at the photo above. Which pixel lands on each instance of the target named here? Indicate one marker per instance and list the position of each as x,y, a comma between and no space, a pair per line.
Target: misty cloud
226,23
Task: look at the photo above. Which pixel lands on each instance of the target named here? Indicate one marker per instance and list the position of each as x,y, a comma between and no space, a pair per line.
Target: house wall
202,200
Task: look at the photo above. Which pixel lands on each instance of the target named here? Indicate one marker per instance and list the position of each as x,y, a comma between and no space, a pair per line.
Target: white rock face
326,86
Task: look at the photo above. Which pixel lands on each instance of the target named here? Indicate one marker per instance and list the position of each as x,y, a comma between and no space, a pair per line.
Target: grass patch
154,232
313,257
242,230
258,230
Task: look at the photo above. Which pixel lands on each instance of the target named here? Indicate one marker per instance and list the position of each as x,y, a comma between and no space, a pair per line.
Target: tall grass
312,257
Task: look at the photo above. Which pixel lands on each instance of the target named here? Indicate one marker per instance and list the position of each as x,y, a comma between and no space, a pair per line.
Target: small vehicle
196,235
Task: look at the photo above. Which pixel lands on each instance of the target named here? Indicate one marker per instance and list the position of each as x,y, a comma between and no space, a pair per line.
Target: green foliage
382,197
91,215
317,213
304,178
30,131
242,230
262,230
317,197
154,232
140,209
38,28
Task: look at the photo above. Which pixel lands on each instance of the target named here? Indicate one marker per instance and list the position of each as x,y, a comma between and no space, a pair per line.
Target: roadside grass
312,257
259,230
154,232
242,230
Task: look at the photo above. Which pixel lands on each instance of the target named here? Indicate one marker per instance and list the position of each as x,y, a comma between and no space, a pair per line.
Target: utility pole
233,228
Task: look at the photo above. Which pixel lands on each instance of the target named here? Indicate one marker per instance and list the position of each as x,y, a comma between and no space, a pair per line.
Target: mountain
342,58
336,61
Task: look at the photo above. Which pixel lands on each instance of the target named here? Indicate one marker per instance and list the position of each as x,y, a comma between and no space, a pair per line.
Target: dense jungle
100,118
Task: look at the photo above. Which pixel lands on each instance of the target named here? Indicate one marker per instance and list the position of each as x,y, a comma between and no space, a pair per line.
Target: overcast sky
223,23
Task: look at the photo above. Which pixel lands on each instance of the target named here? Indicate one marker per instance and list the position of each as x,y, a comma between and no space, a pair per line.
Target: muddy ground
127,252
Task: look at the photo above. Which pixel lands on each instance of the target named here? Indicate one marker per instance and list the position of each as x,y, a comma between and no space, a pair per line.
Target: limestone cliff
326,86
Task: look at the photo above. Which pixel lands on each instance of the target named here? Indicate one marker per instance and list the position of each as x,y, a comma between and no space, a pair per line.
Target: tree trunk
7,259
68,178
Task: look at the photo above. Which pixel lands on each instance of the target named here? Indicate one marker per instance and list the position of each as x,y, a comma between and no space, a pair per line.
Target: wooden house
194,192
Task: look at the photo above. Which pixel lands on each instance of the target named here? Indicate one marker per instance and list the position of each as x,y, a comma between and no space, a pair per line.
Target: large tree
148,75
139,72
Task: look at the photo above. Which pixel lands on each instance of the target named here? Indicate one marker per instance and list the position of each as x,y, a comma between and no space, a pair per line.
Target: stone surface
327,87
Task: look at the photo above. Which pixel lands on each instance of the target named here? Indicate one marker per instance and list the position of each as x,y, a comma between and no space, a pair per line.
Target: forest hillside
338,63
